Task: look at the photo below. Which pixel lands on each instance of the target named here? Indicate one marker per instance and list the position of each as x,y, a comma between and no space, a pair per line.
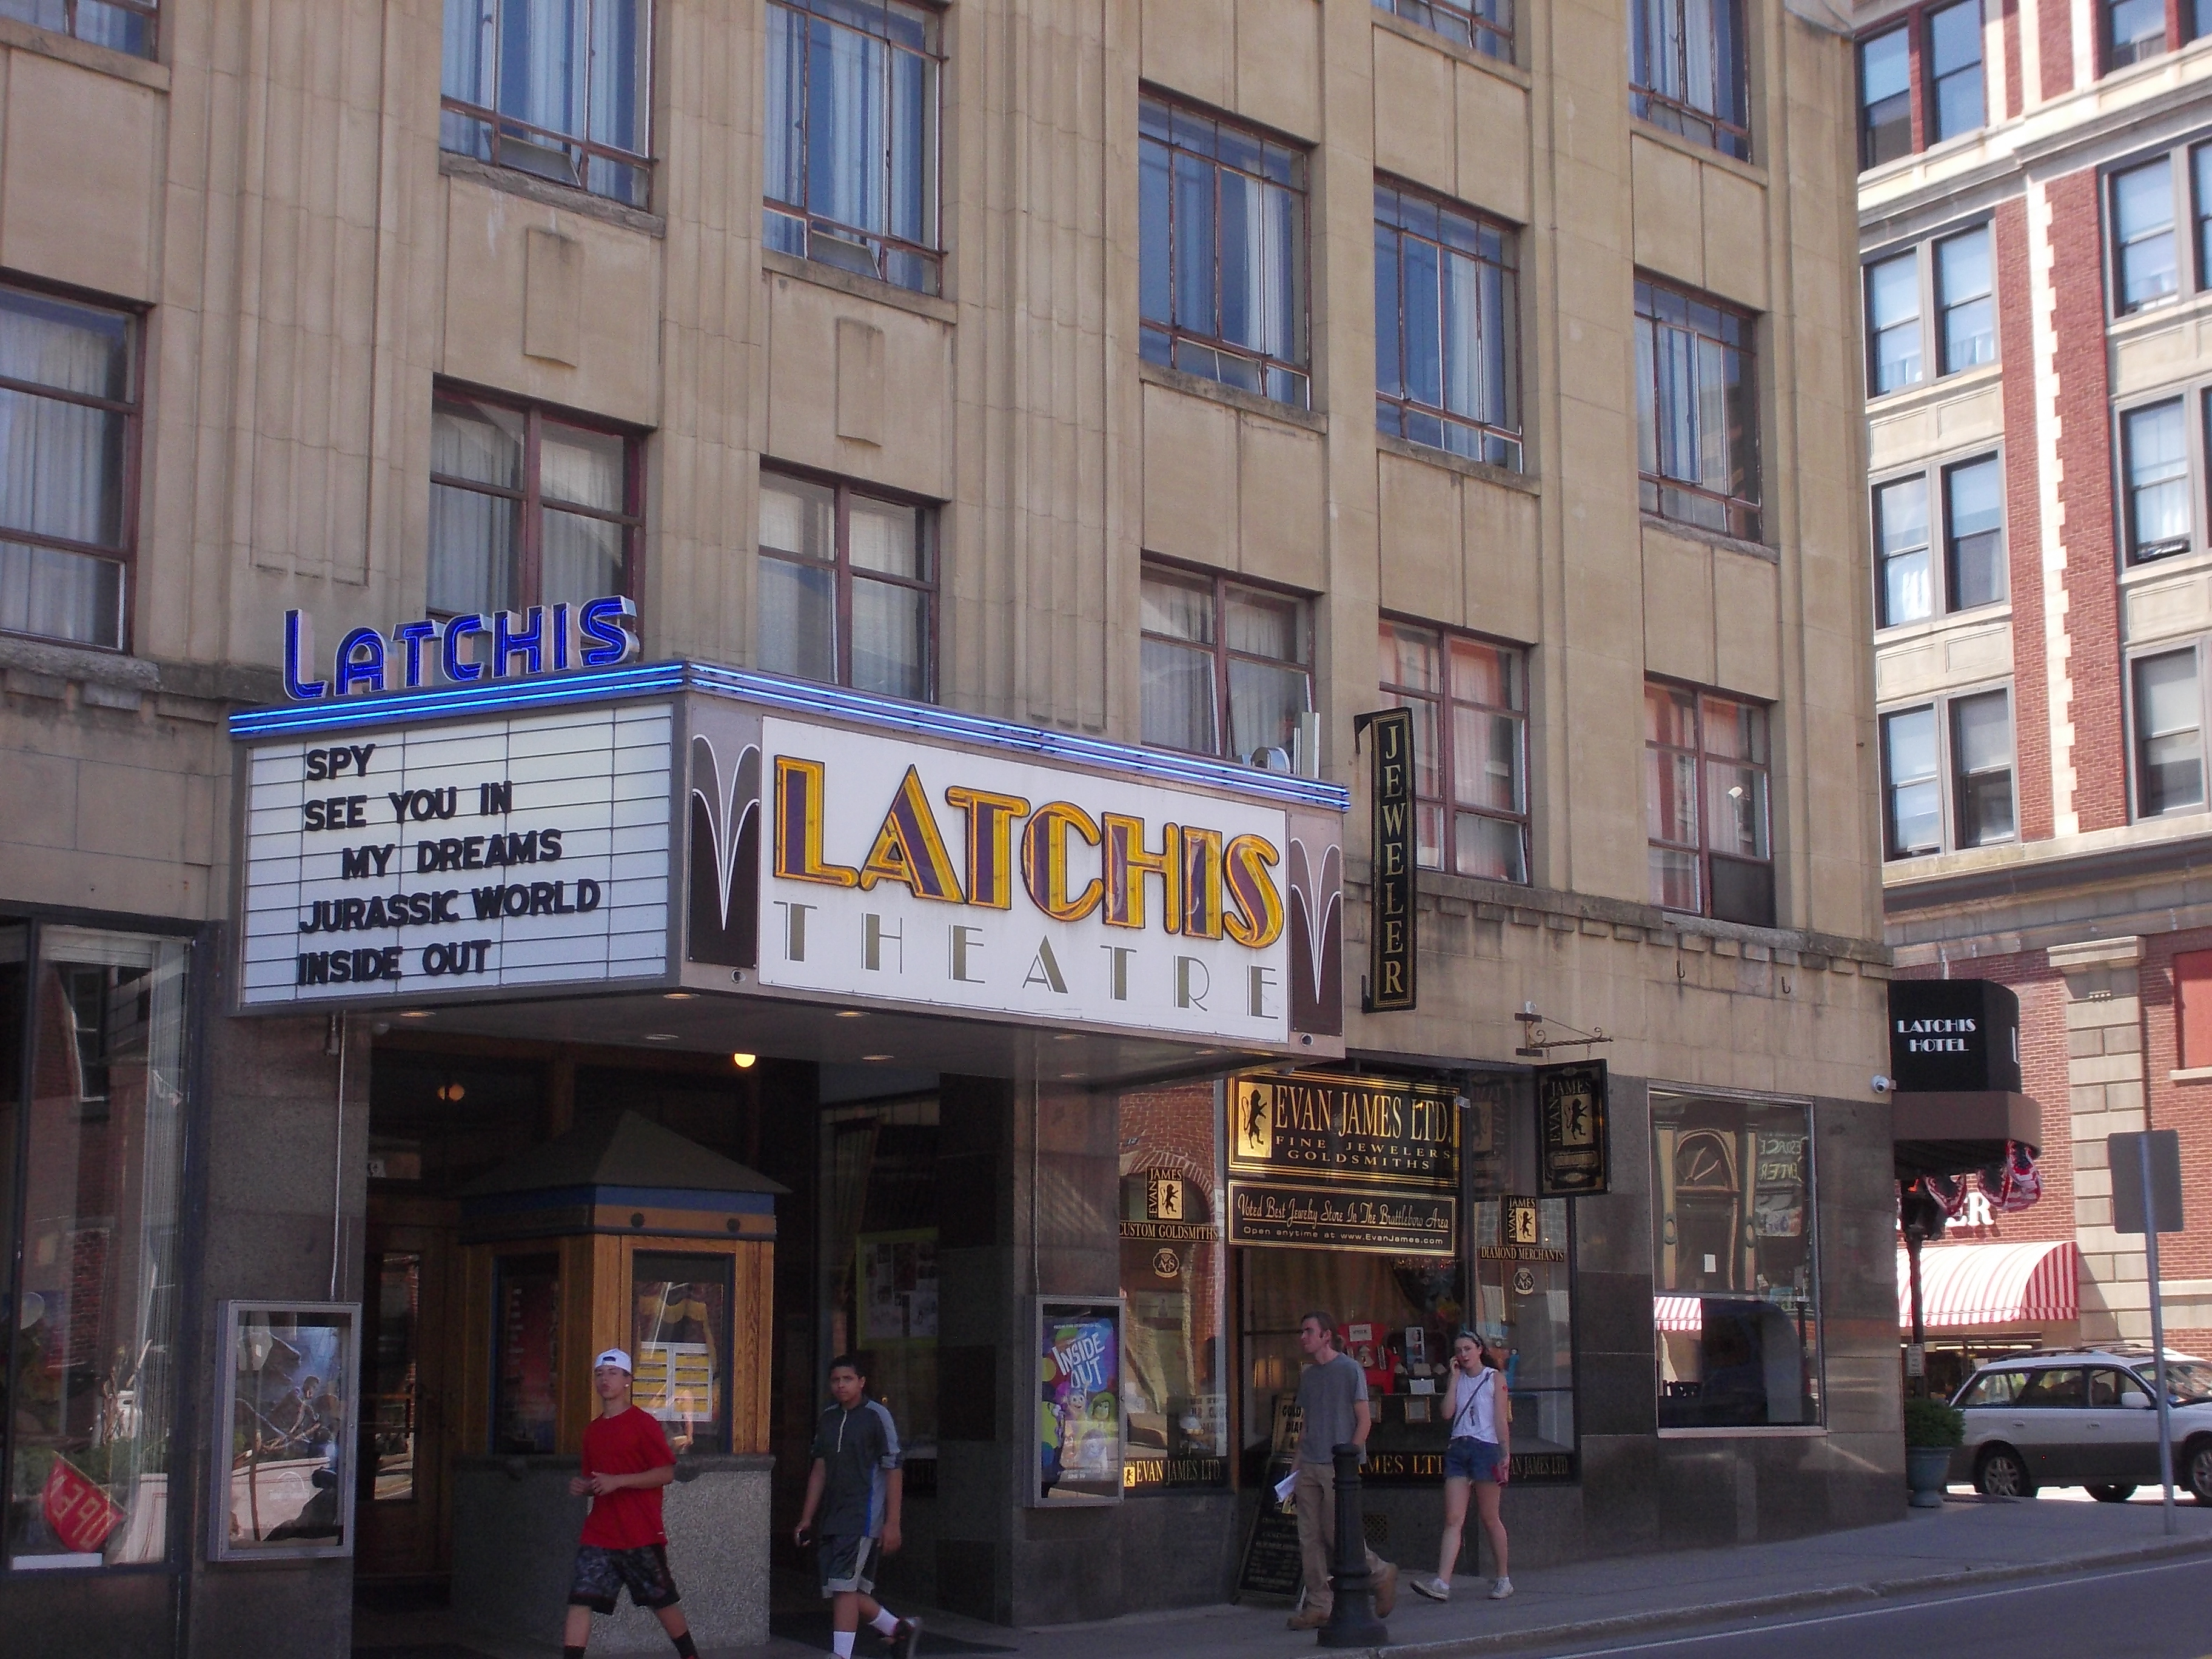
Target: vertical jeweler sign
1393,959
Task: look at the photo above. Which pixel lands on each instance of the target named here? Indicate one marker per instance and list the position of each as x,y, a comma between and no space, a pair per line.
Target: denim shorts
1469,1459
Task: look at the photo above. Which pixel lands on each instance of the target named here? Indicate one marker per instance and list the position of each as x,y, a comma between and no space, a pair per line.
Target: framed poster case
1078,1437
287,1412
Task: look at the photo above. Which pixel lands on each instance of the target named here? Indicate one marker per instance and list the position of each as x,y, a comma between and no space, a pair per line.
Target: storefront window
1521,1279
1736,1279
1174,1415
527,1354
391,1377
680,1340
879,1256
86,1389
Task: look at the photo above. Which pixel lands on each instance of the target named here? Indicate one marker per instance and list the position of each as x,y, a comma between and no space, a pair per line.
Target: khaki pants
1314,1499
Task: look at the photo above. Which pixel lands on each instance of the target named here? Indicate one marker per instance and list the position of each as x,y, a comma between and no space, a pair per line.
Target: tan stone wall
274,193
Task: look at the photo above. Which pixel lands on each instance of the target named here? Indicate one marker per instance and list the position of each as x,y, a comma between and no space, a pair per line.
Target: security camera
1881,1083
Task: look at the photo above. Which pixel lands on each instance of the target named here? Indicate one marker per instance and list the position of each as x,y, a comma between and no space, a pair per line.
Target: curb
1787,1601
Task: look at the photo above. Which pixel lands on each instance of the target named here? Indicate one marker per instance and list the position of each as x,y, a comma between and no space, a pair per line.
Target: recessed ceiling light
660,1037
676,996
414,1013
848,1013
1067,1037
878,1056
1070,1074
743,1062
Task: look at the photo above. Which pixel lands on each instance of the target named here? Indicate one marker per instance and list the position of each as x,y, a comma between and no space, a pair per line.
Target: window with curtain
851,143
1687,70
1447,345
1735,1271
1893,323
1705,804
1974,571
1948,774
2200,206
92,1032
1954,70
1487,26
2144,272
1981,769
1227,670
2169,735
2134,30
1885,97
120,25
1470,704
1222,252
848,587
554,87
2155,462
1904,572
1965,302
68,441
526,508
1697,410
1912,788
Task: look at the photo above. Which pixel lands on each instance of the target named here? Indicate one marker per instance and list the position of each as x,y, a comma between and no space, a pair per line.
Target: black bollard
1351,1621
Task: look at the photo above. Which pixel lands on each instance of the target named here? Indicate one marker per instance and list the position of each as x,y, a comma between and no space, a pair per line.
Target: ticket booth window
527,1354
680,1342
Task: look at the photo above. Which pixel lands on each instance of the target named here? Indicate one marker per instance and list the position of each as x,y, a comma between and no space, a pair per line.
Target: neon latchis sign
430,651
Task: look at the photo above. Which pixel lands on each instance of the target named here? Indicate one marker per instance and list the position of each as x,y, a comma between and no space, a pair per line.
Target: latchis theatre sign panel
392,862
966,881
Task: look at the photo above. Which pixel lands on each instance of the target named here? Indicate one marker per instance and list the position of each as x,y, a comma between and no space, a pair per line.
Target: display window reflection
680,1343
1524,1274
89,1168
1735,1275
1175,1425
878,1260
288,1396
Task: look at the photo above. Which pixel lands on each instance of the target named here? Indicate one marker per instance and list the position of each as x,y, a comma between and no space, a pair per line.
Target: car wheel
2108,1494
2002,1473
2196,1471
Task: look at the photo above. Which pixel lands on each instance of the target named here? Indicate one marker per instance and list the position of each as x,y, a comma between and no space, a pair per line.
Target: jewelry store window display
1174,1413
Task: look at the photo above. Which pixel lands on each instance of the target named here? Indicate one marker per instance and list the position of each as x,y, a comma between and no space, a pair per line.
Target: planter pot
1927,1471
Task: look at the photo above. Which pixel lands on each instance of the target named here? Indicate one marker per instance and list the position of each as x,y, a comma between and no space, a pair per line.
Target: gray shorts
848,1564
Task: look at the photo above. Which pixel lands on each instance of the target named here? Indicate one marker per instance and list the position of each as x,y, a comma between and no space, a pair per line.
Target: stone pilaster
2107,1093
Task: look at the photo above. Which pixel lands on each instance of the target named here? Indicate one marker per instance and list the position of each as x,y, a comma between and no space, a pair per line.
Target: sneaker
1385,1591
905,1638
1502,1589
1308,1617
1434,1589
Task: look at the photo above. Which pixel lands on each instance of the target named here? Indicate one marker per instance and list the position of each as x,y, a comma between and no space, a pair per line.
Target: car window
2106,1386
2190,1380
1993,1388
2062,1385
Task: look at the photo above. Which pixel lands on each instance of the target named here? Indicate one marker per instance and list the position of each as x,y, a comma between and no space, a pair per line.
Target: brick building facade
2042,742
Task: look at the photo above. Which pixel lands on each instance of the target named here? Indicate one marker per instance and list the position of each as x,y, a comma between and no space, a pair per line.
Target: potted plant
1932,1430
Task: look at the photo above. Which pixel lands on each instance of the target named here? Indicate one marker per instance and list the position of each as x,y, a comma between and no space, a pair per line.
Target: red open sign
78,1511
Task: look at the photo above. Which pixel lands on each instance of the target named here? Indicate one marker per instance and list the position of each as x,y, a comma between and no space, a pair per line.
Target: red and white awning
1992,1285
1678,1313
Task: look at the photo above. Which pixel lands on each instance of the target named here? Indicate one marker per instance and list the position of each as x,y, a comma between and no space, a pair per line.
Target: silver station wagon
2083,1417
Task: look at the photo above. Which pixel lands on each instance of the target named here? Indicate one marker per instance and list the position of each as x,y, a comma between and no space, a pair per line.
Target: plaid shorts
602,1575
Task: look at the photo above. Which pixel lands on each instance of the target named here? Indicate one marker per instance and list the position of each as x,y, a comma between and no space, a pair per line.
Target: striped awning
1992,1284
1678,1313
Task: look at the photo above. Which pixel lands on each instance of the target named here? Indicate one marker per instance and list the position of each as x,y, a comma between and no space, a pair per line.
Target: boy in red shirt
626,1463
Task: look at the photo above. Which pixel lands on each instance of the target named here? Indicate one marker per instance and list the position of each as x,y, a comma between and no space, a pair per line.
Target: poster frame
1049,1311
230,1316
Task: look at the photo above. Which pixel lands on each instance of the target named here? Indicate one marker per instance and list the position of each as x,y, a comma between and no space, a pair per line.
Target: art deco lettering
434,651
1392,955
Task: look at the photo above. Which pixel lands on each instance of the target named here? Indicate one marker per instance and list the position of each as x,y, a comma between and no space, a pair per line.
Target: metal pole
2157,1328
1351,1621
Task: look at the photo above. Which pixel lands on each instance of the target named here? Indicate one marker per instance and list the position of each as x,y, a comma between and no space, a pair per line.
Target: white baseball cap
614,1357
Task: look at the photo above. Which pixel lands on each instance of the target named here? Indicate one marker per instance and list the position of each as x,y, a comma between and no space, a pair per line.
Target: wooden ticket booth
618,1234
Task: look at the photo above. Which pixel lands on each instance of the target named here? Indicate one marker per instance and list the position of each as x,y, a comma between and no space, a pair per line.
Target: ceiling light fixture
414,1013
743,1062
878,1056
452,1093
660,1037
848,1013
676,996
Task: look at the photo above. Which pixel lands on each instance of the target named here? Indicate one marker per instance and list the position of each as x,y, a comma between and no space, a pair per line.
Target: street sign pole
2151,1222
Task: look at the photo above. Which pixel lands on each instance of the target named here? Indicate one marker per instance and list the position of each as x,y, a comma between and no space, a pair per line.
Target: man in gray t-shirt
1333,1411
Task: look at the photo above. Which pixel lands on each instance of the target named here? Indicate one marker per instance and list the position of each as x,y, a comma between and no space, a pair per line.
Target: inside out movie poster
1079,1405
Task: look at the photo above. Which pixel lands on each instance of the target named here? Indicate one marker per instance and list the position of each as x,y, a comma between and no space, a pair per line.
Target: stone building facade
1009,360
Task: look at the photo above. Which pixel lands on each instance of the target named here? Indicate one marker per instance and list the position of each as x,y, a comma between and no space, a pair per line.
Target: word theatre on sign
402,861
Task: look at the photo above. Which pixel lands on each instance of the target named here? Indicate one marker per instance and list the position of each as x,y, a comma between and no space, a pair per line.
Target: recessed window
1222,249
1932,304
1894,322
1686,71
1227,670
526,507
1885,97
1966,300
1974,568
851,143
1948,774
1470,704
119,25
2154,457
1906,573
1912,783
2169,734
558,90
1447,346
69,436
1705,804
1697,410
1955,70
2142,235
1487,26
848,587
2134,30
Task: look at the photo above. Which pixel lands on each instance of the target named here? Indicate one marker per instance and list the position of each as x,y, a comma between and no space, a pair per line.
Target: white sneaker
1434,1589
1501,1589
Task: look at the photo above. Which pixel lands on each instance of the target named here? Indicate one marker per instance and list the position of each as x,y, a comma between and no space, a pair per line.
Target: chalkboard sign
1272,1565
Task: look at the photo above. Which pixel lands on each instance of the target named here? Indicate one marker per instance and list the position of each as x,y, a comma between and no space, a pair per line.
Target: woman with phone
1478,1456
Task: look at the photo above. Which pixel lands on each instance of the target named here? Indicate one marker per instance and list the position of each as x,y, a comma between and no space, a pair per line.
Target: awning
1678,1313
1992,1284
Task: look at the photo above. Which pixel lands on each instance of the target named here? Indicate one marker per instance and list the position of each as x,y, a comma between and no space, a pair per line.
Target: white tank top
1475,1415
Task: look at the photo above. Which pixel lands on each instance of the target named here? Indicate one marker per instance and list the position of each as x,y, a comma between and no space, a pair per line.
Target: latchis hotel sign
706,827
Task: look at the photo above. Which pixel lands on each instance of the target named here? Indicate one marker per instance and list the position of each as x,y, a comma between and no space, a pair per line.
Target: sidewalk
1967,1540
